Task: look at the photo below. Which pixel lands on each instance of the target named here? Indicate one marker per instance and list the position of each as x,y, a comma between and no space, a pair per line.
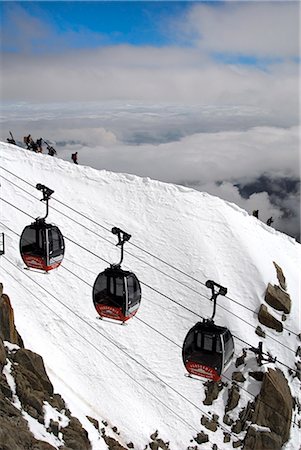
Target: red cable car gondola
208,348
117,292
42,244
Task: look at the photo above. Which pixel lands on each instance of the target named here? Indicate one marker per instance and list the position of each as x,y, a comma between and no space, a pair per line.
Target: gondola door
55,247
133,295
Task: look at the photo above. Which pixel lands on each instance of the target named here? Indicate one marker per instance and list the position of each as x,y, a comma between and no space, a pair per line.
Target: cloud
264,29
130,74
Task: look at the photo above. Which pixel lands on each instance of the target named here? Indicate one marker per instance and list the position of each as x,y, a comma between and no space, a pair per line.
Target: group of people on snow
255,213
37,146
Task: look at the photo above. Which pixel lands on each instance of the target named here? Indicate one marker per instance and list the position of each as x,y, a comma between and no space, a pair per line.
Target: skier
74,157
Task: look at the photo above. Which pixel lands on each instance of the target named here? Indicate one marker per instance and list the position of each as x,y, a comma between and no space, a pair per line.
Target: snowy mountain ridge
199,234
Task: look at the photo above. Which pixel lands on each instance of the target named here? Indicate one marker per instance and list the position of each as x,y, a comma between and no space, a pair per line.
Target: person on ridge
270,221
74,157
39,146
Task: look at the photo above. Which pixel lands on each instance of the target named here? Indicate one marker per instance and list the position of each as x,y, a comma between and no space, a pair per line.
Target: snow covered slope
132,376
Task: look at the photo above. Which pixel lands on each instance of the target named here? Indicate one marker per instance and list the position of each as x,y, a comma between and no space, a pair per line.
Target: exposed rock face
280,276
213,389
233,398
33,389
278,299
268,320
34,365
2,355
8,330
274,396
262,440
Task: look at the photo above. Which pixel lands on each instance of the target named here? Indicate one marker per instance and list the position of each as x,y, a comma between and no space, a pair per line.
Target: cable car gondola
117,292
208,348
42,244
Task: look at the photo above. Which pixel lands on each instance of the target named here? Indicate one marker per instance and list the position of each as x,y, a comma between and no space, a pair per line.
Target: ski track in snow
200,234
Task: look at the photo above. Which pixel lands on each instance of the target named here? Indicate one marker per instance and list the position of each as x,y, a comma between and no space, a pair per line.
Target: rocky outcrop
2,355
33,389
8,331
278,298
212,390
274,406
261,440
265,318
280,276
233,398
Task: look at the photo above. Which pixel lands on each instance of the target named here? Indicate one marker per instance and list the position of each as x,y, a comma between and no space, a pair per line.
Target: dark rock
237,444
209,424
233,398
214,447
227,420
130,445
212,391
258,376
299,336
265,318
2,355
241,359
201,438
260,440
154,435
283,317
4,387
245,415
237,427
112,443
274,404
238,376
32,412
278,299
298,351
94,422
75,436
259,331
8,331
227,437
280,276
54,427
115,429
34,363
57,402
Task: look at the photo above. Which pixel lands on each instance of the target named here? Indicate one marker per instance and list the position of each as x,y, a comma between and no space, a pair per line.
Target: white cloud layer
262,29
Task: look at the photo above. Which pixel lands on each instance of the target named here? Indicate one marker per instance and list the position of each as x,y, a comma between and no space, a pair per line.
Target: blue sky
199,81
98,23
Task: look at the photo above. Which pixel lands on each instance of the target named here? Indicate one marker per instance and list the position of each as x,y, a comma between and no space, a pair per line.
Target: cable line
174,343
146,262
234,336
104,355
164,295
87,323
120,349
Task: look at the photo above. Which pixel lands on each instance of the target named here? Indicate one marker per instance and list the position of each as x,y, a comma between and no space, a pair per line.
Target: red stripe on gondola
202,370
36,262
113,312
